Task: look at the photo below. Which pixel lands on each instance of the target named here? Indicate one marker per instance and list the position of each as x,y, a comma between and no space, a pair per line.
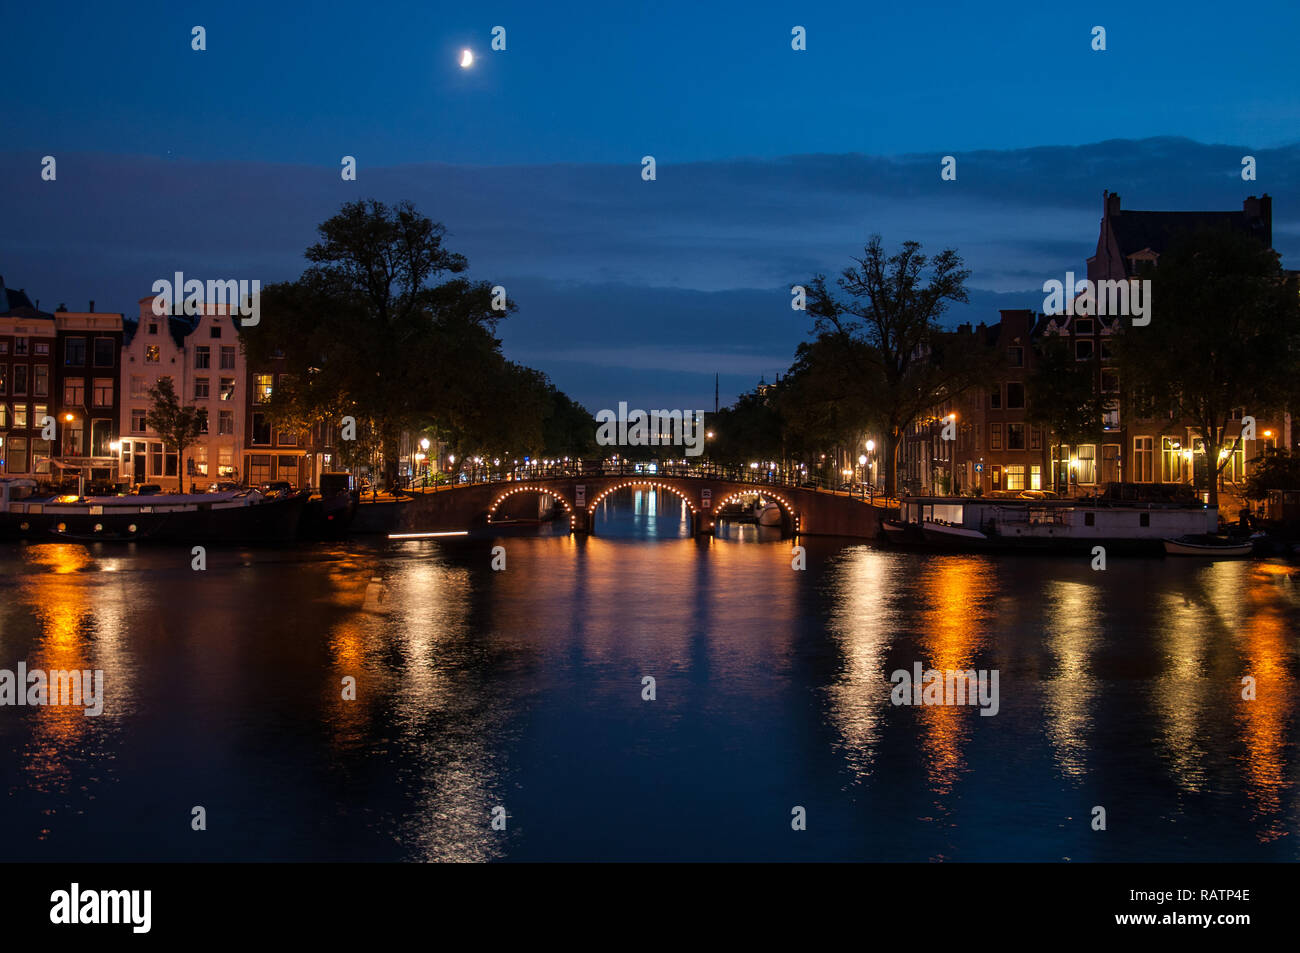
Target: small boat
1218,547
767,514
950,533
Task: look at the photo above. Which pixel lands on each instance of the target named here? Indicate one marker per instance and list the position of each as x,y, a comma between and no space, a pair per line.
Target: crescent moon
466,59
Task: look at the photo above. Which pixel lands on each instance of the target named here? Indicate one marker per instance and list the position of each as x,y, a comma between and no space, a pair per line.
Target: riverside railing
760,476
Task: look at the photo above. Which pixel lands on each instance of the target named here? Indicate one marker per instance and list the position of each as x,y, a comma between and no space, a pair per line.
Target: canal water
524,689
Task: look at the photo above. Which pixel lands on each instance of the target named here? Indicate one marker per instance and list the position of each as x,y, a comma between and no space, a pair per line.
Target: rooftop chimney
1112,203
1260,210
91,309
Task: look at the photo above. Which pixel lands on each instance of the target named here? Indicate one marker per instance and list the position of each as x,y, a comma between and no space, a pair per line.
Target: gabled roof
1137,231
15,303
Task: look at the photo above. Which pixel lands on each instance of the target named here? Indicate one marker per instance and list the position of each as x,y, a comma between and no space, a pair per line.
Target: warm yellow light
68,417
1268,433
871,446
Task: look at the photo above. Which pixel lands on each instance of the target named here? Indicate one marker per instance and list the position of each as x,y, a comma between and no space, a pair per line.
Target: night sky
772,164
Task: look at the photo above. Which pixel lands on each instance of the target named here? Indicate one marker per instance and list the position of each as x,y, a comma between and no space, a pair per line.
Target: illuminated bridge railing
760,476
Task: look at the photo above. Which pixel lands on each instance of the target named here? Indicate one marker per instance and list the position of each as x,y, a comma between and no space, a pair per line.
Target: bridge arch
530,488
655,484
764,492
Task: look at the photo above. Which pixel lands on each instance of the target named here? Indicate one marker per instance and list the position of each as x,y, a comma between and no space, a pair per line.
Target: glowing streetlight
871,446
424,443
862,459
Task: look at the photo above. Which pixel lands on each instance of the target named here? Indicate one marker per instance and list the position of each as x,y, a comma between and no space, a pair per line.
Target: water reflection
78,626
523,688
866,583
954,618
1266,641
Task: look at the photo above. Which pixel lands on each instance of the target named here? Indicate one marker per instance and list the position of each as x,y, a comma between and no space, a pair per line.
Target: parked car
223,486
276,488
147,489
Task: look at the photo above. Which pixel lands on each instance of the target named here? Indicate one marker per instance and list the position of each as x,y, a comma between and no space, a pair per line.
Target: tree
178,426
1224,333
747,432
885,323
1276,469
1061,395
822,407
369,332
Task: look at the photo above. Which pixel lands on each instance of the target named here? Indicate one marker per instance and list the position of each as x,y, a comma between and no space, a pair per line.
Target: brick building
997,449
87,392
28,341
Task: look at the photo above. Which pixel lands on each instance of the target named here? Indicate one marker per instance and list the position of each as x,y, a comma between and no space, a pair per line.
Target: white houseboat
1049,524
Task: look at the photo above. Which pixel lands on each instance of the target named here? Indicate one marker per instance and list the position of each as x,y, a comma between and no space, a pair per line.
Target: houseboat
1121,525
235,516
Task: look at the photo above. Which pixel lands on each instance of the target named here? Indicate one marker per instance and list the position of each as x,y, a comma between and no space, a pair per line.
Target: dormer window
1083,326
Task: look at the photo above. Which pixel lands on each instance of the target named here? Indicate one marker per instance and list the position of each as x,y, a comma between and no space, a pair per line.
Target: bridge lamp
862,459
871,446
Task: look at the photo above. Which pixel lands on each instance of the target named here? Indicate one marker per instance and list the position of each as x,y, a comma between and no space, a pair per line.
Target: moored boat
231,517
767,514
1216,547
1118,524
945,534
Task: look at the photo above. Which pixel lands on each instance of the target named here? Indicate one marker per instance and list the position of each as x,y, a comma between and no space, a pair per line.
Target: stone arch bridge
805,510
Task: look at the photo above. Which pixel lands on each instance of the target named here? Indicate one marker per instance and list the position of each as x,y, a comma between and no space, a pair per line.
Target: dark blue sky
773,164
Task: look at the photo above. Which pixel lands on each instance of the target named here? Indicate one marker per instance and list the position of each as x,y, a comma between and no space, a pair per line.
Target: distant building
87,392
28,342
1132,240
997,450
202,356
272,453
